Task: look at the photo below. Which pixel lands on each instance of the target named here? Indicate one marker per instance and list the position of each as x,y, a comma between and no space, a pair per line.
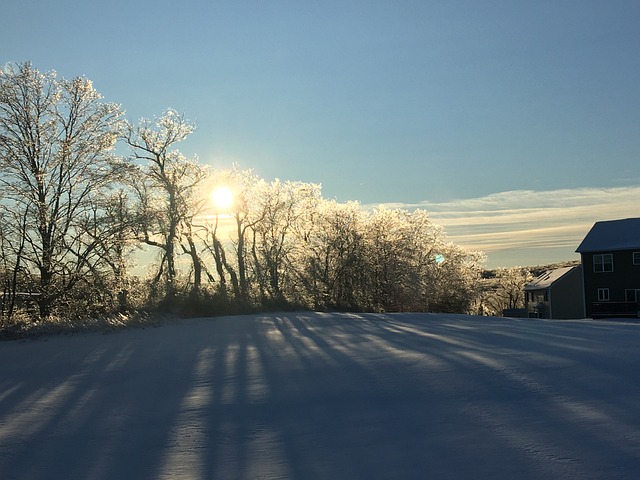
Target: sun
222,198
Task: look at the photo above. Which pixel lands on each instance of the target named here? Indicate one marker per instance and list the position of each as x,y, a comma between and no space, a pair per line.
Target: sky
502,118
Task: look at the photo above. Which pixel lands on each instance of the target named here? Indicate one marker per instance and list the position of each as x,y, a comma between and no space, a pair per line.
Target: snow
548,278
326,396
611,235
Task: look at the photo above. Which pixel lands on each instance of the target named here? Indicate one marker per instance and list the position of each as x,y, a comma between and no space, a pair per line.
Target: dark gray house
556,294
610,256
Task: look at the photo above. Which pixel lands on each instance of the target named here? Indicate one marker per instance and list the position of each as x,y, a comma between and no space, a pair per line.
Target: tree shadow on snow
314,396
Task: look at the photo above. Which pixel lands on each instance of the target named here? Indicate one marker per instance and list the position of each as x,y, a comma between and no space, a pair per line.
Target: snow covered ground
326,396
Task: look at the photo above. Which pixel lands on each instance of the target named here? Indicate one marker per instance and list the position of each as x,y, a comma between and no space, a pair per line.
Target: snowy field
326,396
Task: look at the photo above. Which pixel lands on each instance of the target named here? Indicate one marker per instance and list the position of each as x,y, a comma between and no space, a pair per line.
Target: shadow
83,405
315,396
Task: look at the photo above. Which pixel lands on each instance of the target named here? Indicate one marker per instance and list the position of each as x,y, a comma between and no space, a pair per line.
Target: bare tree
56,136
211,239
164,187
245,216
195,225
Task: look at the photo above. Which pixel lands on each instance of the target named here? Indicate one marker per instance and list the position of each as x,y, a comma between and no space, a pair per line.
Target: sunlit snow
326,396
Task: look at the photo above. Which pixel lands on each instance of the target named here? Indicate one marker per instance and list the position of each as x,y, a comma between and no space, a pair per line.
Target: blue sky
449,105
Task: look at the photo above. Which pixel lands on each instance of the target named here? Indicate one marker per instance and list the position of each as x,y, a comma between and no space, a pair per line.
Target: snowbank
326,396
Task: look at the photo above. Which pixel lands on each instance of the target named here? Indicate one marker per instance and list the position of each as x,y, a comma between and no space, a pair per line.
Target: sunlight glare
222,198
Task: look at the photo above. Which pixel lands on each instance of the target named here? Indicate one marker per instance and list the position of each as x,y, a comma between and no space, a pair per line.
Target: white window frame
599,262
628,291
603,295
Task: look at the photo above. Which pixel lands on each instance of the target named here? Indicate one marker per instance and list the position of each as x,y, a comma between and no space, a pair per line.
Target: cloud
534,226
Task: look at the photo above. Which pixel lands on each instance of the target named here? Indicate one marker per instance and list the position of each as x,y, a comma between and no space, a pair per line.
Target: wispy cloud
527,226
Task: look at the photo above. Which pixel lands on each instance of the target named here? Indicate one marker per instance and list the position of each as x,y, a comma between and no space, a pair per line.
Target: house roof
548,278
612,235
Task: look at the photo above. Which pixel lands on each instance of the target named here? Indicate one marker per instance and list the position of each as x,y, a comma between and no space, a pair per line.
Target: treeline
78,223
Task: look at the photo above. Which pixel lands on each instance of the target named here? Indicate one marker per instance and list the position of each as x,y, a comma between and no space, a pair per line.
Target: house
610,255
556,294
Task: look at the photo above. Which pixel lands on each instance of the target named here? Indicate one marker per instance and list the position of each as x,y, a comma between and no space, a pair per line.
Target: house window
636,258
632,295
603,263
603,294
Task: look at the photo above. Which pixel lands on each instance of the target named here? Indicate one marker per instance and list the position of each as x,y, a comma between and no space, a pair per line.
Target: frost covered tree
279,206
56,163
117,249
71,213
164,185
195,200
391,249
333,256
452,279
221,230
210,235
413,266
507,290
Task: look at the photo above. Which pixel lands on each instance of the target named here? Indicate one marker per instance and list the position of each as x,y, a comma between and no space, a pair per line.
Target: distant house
556,294
610,256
